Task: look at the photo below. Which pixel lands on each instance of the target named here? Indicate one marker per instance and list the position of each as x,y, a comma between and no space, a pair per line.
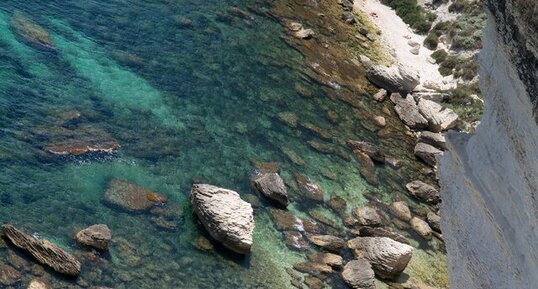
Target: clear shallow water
185,103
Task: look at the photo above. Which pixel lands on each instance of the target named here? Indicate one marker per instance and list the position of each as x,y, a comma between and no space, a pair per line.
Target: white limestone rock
227,218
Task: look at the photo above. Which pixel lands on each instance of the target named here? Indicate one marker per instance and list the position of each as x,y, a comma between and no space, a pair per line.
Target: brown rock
330,259
358,274
272,186
424,192
368,216
382,232
295,240
313,268
8,275
338,204
30,31
44,251
131,197
421,227
328,242
313,282
308,188
38,284
401,210
373,151
367,168
97,236
434,221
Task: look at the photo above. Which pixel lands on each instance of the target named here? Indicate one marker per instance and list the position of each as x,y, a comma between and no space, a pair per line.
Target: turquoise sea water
185,103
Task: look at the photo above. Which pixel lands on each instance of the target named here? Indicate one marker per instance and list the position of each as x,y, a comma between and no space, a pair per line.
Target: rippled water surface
187,103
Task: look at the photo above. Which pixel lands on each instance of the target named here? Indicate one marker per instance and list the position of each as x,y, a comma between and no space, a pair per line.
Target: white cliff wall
489,181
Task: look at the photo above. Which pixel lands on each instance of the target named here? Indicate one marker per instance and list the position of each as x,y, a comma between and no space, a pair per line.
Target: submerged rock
44,251
38,284
308,188
328,242
83,146
97,236
131,197
368,216
358,274
9,275
367,168
272,186
30,31
373,151
382,232
330,259
388,257
424,192
226,217
313,268
295,240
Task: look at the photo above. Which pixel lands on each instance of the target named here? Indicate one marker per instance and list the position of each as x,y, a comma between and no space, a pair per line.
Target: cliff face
489,180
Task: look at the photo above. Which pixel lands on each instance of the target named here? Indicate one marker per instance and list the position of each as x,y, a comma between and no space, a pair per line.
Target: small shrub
439,55
413,14
432,41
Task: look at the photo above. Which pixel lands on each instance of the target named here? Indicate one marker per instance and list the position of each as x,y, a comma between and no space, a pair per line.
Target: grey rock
348,17
394,79
272,186
427,153
434,221
388,257
380,95
226,217
424,192
435,139
439,118
97,236
358,274
44,251
408,111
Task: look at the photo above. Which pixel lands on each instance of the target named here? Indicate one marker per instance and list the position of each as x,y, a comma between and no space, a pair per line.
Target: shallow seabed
186,103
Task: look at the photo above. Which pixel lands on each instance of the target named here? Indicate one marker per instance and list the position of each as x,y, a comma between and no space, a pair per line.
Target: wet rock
38,284
401,210
439,118
382,232
348,17
358,274
427,153
203,244
164,223
9,275
313,268
313,282
434,221
338,204
328,242
226,217
239,13
421,227
16,261
83,146
373,151
289,118
319,217
317,130
408,112
367,168
97,236
434,139
293,156
393,162
266,167
31,32
272,186
322,147
184,22
388,257
330,259
380,121
131,197
394,79
424,192
308,188
380,95
44,251
295,240
286,221
368,216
